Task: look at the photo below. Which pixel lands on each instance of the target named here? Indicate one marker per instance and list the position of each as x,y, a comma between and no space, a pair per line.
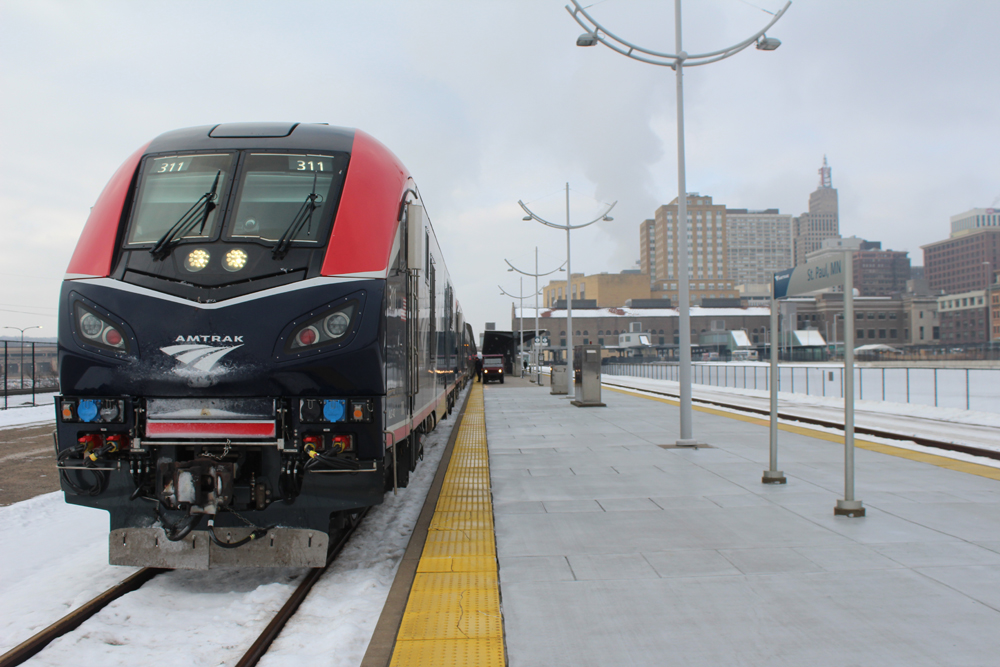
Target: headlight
96,330
236,259
322,330
307,337
336,324
197,260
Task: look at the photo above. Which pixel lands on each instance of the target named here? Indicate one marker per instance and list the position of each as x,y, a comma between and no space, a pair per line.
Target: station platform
616,548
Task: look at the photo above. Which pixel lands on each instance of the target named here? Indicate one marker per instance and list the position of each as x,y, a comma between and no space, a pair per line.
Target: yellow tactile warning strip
452,616
939,461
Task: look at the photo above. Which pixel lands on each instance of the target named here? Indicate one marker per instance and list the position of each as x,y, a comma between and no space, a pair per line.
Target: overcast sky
488,102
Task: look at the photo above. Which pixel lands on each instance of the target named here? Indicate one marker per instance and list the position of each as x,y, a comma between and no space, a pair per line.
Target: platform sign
832,271
809,277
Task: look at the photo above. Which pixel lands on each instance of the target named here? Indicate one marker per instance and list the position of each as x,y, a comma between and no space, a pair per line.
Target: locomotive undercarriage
216,503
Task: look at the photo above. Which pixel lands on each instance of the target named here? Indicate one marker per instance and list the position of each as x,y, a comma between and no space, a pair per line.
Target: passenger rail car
255,330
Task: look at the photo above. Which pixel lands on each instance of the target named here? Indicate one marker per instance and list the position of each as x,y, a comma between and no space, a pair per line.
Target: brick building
964,262
659,256
965,317
605,289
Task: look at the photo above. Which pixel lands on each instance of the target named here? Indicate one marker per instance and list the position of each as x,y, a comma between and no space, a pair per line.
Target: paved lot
616,551
27,463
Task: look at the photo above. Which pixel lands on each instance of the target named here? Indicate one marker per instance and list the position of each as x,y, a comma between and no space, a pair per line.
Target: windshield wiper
301,218
198,212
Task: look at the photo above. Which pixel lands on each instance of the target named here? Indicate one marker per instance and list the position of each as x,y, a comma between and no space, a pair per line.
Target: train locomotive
255,331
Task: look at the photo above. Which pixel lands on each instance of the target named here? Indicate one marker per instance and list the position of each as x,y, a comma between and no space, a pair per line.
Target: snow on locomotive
255,329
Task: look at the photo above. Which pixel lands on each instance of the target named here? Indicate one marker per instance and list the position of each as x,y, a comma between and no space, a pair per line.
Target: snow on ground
951,415
978,429
348,601
54,558
20,412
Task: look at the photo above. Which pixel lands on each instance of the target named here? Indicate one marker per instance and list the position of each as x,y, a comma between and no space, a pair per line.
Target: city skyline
482,122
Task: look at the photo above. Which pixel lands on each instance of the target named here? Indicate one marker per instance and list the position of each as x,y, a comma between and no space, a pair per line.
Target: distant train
255,330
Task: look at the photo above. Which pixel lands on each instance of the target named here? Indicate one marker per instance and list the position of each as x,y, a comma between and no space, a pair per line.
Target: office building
708,273
965,317
605,290
877,272
963,262
823,219
976,218
758,243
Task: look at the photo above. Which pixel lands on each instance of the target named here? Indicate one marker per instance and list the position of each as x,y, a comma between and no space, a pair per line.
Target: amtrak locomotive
255,330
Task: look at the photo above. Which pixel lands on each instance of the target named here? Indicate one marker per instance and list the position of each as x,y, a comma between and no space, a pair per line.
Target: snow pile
20,412
54,559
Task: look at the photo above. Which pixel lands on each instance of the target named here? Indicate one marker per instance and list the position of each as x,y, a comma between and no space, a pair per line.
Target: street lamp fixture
586,39
520,297
534,341
677,61
767,43
569,275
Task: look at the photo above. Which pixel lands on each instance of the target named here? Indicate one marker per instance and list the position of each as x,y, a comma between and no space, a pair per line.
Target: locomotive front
222,344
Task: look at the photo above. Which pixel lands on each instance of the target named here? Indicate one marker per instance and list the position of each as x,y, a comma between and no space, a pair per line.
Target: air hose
255,535
101,477
180,530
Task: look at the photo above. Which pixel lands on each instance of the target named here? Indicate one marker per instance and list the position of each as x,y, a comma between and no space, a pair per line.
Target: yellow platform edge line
452,614
900,452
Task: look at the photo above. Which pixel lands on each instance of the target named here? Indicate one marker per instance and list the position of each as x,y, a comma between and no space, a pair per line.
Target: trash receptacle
587,380
557,379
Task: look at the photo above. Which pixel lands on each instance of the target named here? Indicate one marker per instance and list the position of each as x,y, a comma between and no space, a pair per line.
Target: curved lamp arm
532,216
535,275
626,48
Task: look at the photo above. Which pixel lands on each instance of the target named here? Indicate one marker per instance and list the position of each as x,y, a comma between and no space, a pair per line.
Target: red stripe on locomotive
362,236
369,210
96,246
196,429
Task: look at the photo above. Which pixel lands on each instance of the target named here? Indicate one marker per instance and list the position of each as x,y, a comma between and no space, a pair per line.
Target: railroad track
30,647
815,421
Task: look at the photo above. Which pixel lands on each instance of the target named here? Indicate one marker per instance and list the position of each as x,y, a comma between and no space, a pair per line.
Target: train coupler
201,486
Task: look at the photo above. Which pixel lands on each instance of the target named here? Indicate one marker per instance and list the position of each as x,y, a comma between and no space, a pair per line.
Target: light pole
534,341
569,277
21,365
520,318
677,62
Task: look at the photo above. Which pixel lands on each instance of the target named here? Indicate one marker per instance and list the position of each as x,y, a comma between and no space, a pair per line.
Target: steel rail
287,611
32,646
814,421
71,621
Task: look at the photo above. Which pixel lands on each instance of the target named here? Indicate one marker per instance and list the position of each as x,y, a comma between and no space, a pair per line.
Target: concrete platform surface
614,550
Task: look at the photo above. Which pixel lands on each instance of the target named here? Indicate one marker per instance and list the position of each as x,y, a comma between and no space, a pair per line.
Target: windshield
274,190
170,187
495,362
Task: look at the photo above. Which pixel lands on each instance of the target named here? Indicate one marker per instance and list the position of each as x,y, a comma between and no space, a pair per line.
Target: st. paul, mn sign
809,277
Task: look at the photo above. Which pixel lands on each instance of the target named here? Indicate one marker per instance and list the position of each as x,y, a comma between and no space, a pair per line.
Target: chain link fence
29,369
959,388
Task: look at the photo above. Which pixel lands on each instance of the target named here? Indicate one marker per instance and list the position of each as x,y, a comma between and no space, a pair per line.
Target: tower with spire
823,219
